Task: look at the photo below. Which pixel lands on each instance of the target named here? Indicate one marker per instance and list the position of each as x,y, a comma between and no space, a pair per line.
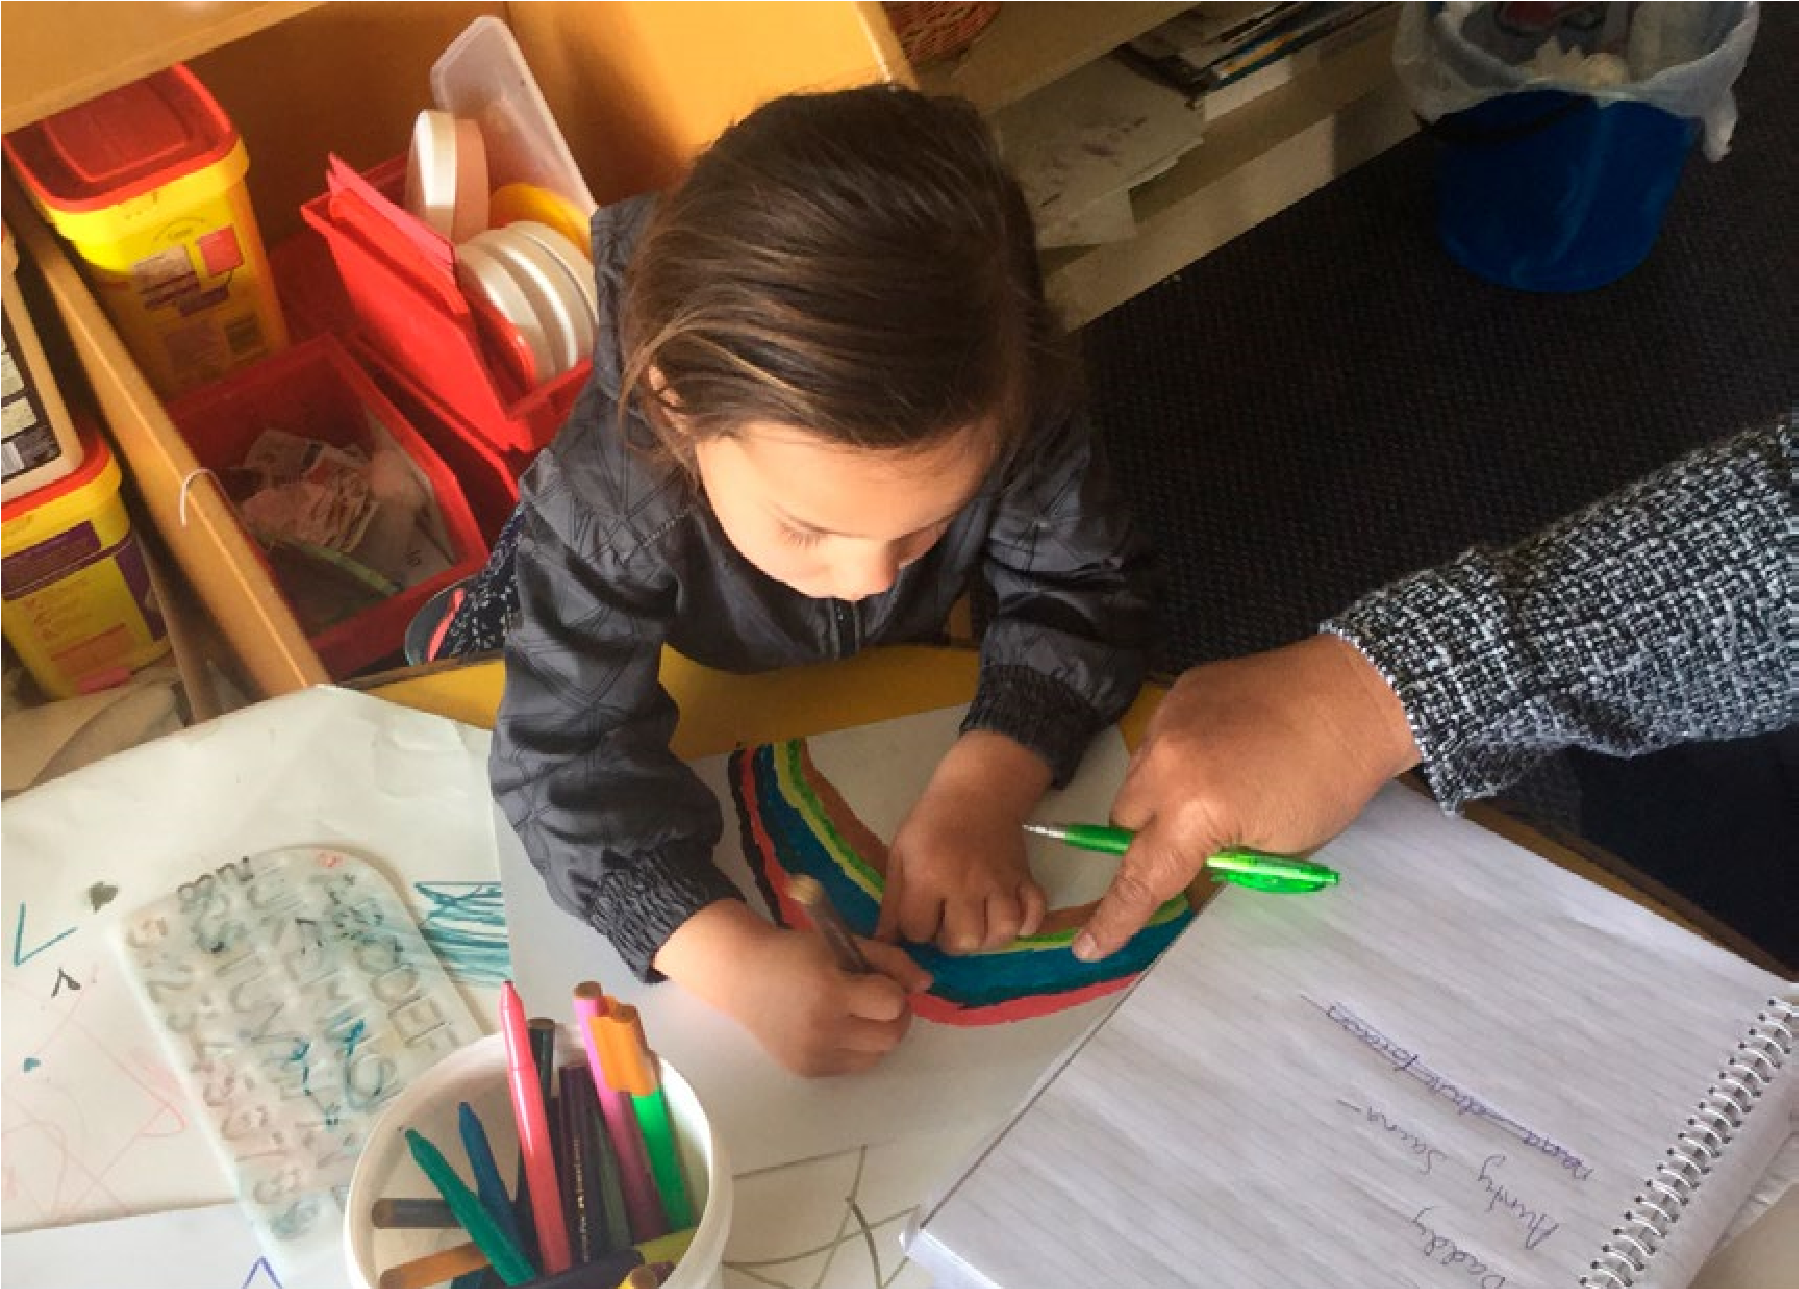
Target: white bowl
477,1074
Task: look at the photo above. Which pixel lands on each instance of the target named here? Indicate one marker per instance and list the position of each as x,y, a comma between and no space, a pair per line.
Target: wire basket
930,32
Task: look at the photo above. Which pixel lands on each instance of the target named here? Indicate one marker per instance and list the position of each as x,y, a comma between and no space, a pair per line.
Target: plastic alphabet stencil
295,997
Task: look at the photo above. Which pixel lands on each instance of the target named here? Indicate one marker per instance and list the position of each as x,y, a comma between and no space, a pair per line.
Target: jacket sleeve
1073,582
621,830
1661,614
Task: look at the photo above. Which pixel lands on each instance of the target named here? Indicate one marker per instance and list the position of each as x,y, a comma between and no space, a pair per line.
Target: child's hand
785,988
957,872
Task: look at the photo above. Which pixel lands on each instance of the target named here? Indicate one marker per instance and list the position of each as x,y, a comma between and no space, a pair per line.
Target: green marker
665,1160
506,1257
1255,869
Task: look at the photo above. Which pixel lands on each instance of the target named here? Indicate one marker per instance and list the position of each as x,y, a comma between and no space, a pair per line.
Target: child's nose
867,573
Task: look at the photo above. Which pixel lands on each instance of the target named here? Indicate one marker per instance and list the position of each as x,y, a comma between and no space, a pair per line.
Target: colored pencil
609,1223
586,1223
604,1272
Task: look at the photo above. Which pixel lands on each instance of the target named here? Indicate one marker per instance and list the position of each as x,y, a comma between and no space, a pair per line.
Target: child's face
832,521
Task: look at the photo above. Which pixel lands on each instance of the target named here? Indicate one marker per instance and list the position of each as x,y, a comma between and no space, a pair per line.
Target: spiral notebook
1463,1067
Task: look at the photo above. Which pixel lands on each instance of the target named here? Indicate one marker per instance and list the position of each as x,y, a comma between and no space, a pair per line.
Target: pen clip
1274,884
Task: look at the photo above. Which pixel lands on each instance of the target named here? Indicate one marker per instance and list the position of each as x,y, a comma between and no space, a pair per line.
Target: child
827,393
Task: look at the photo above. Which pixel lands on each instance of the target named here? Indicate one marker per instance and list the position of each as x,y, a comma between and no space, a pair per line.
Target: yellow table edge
721,710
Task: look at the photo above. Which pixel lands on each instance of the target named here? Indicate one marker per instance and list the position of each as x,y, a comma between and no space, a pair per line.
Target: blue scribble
31,1063
466,928
262,1265
18,939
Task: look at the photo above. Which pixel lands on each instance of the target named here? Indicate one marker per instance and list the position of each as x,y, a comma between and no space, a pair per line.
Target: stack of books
1212,48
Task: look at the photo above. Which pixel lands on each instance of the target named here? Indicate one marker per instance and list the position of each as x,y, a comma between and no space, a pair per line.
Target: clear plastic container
483,76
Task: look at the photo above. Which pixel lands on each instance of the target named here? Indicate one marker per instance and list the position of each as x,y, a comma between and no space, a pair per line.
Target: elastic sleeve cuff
1441,642
641,903
1037,711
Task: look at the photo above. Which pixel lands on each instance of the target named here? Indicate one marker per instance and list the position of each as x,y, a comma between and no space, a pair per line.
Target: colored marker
533,1134
435,1268
1255,869
660,1255
495,1243
642,1206
810,893
651,1108
489,1185
411,1215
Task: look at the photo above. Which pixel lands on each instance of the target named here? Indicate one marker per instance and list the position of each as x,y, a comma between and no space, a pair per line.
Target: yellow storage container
147,182
75,598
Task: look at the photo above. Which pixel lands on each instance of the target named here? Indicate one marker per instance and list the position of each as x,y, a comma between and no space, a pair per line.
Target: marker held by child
810,893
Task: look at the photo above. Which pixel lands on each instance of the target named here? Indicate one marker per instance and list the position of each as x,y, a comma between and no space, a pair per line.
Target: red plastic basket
314,390
410,310
317,304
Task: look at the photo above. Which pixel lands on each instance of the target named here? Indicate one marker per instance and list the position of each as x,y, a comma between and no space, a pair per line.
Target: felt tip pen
534,1134
1255,869
810,893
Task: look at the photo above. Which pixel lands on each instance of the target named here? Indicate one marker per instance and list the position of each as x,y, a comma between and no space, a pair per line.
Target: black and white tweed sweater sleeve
1659,615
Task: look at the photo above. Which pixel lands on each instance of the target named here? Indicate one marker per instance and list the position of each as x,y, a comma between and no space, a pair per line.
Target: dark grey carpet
1329,401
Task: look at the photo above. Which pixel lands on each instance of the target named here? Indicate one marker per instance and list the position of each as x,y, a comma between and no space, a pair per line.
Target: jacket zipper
845,629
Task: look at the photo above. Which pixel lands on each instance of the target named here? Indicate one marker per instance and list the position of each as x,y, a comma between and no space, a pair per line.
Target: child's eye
800,536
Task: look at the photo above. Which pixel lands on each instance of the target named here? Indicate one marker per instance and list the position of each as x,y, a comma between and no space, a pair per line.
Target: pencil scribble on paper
855,1234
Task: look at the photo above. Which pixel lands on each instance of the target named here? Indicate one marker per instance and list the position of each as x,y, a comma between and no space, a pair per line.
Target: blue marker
488,1183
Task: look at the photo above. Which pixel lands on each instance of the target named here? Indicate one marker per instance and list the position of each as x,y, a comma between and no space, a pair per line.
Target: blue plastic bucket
1547,191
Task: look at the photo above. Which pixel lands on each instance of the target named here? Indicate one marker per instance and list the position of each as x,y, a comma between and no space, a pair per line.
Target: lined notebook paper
1461,1067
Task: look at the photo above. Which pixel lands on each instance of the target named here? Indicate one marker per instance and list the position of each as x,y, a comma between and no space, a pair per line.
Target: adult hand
1278,751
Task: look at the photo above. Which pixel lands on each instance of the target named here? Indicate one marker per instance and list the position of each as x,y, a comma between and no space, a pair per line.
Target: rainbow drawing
793,820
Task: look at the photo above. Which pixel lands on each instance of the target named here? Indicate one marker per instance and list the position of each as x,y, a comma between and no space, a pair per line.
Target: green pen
1255,869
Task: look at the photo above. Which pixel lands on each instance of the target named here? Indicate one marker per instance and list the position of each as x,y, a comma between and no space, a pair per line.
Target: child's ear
667,418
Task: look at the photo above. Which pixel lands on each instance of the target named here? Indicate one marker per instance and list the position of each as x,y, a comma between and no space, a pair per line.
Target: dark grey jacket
619,556
1661,614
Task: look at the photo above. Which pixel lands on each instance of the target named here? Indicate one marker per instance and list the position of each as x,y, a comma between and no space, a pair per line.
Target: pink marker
642,1205
534,1135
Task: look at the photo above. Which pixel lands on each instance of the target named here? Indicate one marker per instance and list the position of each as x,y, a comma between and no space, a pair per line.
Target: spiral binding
1757,1061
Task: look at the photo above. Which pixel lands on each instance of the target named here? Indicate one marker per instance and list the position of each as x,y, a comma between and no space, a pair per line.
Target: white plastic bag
1680,57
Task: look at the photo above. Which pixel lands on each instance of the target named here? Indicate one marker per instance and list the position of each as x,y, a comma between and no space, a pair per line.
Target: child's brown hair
859,265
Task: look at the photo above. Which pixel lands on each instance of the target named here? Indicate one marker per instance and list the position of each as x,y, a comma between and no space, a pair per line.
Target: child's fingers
921,919
1036,906
964,927
875,997
1005,914
871,1037
887,925
897,965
